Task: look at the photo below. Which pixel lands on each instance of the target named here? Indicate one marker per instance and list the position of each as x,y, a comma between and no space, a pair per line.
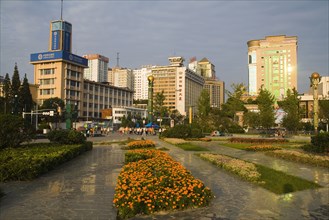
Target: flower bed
242,168
302,157
174,140
262,148
153,182
26,163
199,139
257,140
140,144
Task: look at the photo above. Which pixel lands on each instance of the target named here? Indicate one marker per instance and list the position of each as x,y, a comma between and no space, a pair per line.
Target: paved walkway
84,187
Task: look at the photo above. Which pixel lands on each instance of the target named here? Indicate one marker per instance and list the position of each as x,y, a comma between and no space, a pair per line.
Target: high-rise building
121,77
180,85
97,68
141,82
216,90
59,73
215,87
203,67
272,64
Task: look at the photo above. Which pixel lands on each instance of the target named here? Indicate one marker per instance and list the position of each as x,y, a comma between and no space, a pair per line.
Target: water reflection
88,185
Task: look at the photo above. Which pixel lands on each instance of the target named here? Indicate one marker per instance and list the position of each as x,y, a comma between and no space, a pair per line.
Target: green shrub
13,131
66,137
183,131
28,162
320,143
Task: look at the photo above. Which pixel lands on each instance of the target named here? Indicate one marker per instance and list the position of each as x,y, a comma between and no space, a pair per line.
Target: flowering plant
244,169
140,144
298,156
263,148
156,182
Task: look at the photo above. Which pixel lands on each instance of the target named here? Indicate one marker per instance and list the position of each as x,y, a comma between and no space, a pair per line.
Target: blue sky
148,32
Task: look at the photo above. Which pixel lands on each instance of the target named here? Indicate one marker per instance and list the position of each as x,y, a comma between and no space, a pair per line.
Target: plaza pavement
84,188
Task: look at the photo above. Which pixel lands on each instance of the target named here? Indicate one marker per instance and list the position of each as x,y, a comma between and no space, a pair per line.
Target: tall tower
60,36
272,64
58,72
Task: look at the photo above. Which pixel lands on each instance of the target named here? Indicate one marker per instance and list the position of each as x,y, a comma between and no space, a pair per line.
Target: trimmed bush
13,131
66,137
26,163
183,131
320,143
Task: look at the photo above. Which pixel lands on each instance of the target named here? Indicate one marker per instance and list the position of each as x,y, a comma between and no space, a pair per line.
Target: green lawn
191,147
281,183
240,146
275,181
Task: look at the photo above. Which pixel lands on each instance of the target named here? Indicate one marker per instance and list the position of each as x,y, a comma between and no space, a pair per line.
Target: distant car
219,134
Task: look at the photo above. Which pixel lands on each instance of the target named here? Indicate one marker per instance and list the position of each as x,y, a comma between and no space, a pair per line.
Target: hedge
29,162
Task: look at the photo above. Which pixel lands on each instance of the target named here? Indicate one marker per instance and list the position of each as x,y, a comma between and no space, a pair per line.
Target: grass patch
191,147
275,181
122,142
281,183
240,146
163,149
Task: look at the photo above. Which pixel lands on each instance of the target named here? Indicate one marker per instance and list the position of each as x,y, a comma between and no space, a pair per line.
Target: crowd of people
140,131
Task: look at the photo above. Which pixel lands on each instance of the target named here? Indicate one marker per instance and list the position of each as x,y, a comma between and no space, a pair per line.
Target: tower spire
118,59
61,10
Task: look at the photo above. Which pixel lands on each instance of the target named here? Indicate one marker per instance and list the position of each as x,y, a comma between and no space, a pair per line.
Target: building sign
55,40
67,41
59,55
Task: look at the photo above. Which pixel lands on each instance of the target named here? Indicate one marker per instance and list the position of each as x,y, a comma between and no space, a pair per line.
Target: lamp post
150,98
315,79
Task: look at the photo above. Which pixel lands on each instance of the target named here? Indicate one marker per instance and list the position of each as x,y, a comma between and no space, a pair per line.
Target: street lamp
315,79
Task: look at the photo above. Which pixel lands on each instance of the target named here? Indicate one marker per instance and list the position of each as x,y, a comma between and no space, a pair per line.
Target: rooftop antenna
61,10
118,59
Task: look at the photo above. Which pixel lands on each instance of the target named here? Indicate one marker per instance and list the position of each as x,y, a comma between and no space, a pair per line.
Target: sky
147,32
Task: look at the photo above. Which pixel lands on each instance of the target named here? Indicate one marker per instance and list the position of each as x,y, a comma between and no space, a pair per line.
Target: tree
324,110
234,102
6,94
25,96
159,109
204,104
252,119
58,105
14,90
176,116
290,105
13,131
265,102
15,82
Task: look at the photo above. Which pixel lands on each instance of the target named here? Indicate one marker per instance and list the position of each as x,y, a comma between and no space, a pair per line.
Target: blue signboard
59,55
55,40
67,41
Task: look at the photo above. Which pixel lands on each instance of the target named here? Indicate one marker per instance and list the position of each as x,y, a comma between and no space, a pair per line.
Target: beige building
216,90
181,86
121,77
97,68
59,73
272,64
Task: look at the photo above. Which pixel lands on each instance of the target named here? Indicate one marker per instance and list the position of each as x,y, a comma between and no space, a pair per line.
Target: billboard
55,40
58,55
67,41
